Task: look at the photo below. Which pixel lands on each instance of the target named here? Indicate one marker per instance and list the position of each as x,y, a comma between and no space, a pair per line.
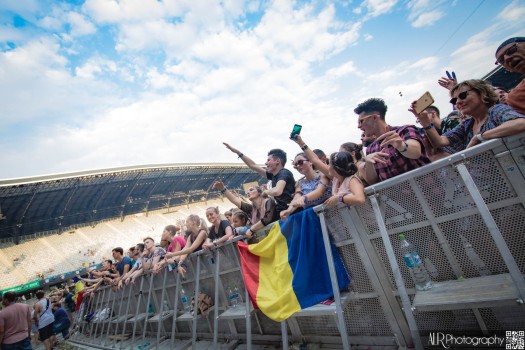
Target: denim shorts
21,345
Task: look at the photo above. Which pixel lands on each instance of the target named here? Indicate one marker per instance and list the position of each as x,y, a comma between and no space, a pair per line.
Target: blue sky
105,83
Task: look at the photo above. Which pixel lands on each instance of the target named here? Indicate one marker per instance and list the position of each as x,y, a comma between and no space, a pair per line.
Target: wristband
480,137
304,147
224,190
406,148
240,155
428,127
341,198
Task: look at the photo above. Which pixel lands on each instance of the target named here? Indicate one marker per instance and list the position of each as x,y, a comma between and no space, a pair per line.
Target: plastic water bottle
184,299
233,295
413,261
474,258
165,306
150,309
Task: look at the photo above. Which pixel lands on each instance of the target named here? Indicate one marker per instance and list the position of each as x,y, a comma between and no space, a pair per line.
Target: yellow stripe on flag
275,296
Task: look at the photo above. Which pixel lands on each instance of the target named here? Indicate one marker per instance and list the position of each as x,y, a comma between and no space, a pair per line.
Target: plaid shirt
460,136
396,162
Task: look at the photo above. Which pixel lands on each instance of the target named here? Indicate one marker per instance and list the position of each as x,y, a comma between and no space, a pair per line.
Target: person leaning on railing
489,119
198,234
261,211
311,190
511,55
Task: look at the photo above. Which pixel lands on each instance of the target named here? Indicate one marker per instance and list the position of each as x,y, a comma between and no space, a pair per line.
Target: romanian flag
288,271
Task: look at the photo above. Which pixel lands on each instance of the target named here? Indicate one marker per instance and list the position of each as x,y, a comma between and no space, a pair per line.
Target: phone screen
296,130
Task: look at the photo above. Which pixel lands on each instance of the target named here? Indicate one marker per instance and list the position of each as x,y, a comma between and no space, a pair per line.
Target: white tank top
45,318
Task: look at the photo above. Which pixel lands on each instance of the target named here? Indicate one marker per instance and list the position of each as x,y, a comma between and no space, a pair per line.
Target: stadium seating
60,253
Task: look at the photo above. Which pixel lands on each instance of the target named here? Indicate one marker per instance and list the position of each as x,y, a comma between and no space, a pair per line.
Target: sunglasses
462,95
299,163
510,51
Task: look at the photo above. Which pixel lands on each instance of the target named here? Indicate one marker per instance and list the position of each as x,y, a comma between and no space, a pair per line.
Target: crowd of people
480,112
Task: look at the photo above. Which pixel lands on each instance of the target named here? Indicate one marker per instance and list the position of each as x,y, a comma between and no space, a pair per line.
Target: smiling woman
477,99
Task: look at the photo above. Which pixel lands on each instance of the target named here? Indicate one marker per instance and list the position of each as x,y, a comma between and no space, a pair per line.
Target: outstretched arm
435,139
247,160
219,185
312,157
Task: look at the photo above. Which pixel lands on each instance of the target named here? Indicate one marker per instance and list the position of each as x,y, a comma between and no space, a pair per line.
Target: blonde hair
485,90
198,222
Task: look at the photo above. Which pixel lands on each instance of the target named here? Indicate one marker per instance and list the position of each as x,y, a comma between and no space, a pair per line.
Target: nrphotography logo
456,341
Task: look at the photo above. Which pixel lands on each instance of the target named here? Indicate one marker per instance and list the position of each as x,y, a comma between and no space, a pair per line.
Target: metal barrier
464,214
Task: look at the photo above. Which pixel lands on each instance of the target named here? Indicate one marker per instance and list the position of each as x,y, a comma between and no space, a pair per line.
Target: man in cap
511,55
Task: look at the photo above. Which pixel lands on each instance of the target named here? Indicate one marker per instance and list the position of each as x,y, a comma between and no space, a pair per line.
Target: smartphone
296,131
423,102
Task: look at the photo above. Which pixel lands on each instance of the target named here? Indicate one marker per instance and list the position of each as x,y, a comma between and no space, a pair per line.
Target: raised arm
247,160
219,185
312,157
435,139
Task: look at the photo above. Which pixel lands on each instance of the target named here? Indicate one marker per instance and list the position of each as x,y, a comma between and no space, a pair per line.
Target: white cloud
376,7
80,25
427,19
515,11
342,70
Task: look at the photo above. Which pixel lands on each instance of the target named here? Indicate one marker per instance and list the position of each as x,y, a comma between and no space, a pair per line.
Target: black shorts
46,332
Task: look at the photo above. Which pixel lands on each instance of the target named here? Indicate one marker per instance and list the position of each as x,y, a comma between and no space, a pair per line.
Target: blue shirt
460,136
61,316
120,265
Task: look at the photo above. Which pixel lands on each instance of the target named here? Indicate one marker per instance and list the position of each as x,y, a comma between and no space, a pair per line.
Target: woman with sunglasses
488,120
511,55
261,211
342,170
311,190
353,149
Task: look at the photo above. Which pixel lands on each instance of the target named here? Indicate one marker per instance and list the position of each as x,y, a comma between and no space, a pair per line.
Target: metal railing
465,214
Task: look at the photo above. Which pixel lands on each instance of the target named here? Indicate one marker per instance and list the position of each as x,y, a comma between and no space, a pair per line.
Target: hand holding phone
423,102
296,131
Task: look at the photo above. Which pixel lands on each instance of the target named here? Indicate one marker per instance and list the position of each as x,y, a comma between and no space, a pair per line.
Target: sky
99,84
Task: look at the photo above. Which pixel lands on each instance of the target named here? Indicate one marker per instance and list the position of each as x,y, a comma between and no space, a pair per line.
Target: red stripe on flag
250,271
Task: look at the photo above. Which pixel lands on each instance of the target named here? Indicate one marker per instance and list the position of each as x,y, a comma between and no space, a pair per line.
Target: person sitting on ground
198,234
511,55
283,183
396,150
311,190
261,211
220,230
62,322
240,222
489,120
502,94
43,317
172,241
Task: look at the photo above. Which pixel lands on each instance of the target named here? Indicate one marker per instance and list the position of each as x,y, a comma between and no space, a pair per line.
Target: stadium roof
56,203
500,77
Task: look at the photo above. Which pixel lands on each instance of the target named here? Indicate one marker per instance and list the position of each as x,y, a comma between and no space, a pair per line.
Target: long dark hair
343,163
